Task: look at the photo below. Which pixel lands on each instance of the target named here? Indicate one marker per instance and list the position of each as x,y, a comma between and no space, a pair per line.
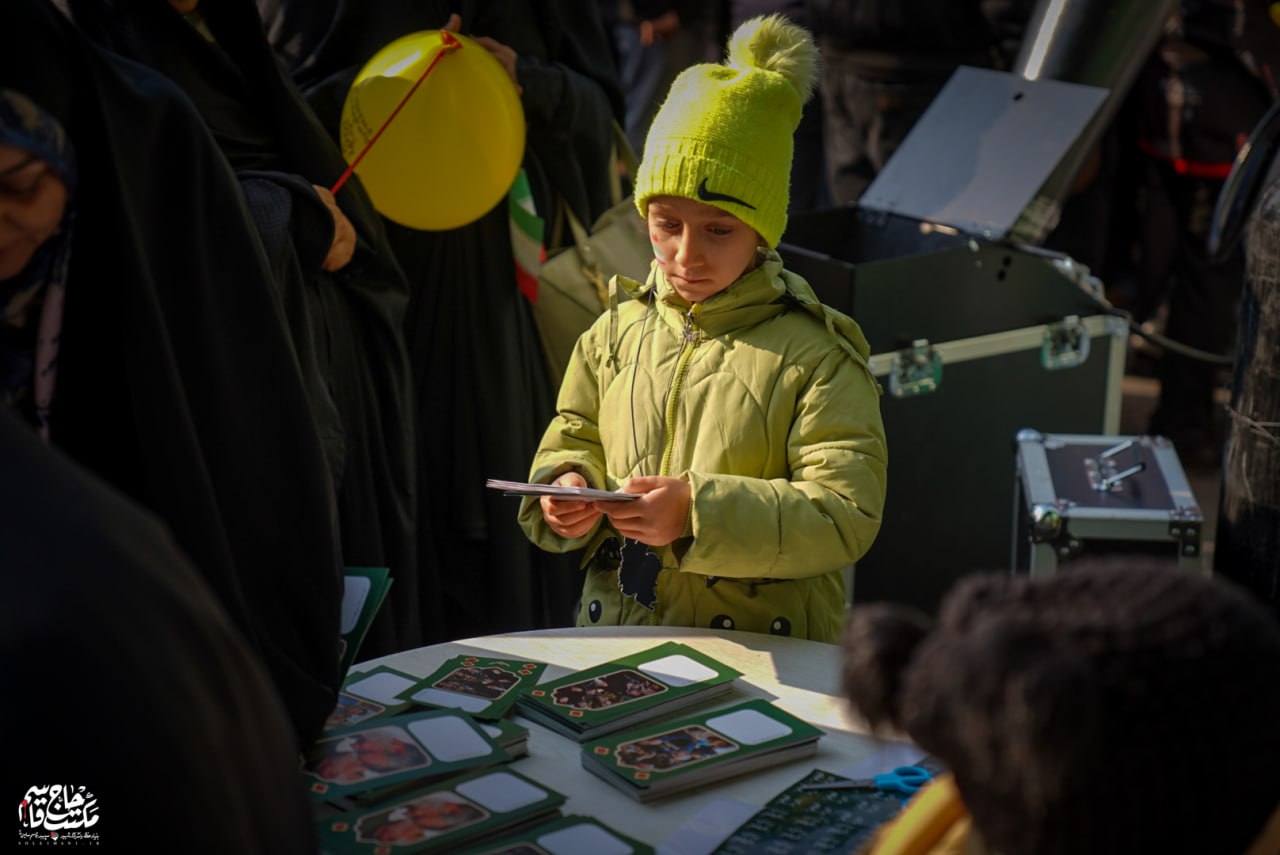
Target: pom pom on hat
724,135
775,44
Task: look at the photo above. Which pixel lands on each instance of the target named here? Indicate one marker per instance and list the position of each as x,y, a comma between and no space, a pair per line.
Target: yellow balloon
454,148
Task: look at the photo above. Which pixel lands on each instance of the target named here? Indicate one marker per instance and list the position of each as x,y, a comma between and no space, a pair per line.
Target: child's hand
655,519
569,518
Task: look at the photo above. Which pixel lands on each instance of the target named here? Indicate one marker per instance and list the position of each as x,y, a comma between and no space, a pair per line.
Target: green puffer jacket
762,400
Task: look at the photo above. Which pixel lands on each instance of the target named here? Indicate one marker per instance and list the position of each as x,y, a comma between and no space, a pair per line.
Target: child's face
702,249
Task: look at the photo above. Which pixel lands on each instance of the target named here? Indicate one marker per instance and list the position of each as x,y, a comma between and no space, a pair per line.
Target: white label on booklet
750,727
583,838
440,698
501,792
450,739
678,670
355,592
383,688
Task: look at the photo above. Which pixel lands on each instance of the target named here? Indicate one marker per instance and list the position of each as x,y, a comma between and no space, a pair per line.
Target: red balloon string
448,44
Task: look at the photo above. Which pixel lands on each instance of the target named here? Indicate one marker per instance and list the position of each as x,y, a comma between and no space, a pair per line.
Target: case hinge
1065,344
915,370
1048,524
1185,528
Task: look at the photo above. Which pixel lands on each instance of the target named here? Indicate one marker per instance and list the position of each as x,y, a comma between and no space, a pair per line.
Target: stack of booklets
481,687
381,755
625,691
371,694
447,816
514,738
569,835
664,758
484,689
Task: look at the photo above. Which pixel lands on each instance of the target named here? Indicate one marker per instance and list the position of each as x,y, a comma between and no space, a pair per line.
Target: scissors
904,780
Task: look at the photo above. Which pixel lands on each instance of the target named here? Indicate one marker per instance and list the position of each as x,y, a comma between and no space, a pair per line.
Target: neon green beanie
724,136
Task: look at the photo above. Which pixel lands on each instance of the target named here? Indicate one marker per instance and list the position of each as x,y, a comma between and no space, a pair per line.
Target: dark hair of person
1117,707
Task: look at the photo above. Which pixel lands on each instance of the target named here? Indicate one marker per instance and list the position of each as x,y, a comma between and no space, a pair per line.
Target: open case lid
982,149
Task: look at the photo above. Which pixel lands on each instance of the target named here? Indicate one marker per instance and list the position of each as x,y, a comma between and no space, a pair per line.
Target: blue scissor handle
904,779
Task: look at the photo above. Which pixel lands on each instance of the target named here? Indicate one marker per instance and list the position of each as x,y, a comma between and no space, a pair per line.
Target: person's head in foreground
1121,707
714,182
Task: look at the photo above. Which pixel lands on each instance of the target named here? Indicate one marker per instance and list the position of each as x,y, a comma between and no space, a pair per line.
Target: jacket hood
760,294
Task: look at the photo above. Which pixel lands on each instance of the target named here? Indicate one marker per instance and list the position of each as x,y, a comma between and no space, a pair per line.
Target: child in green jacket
738,408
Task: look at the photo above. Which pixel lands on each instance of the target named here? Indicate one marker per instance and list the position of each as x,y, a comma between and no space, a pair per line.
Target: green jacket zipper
692,338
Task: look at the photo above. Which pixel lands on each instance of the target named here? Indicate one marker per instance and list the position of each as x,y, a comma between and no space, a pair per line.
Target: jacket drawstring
612,361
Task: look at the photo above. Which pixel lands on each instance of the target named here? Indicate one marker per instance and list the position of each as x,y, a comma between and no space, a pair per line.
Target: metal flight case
974,333
1084,496
1000,339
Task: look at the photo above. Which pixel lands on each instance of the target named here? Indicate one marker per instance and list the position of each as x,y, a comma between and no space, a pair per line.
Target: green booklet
482,688
371,694
659,759
569,835
364,589
624,692
454,813
396,751
807,822
514,738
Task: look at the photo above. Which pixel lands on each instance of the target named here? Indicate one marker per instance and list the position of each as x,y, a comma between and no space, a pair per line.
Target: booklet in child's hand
659,759
396,751
626,691
568,835
559,491
482,688
454,813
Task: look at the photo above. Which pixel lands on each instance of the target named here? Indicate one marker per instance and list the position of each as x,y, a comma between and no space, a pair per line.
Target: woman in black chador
341,289
176,380
484,393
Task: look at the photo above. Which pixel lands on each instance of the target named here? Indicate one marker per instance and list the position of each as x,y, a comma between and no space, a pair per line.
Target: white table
802,677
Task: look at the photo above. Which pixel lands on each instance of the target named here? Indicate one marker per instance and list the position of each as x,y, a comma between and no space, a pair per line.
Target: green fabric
724,134
778,433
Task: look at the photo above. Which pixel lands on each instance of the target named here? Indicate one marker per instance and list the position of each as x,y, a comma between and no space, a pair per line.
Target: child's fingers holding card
569,518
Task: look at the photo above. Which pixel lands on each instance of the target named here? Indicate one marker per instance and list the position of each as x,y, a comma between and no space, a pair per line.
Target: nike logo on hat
711,196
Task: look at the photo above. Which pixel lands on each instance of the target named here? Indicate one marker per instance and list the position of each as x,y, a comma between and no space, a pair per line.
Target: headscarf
29,353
